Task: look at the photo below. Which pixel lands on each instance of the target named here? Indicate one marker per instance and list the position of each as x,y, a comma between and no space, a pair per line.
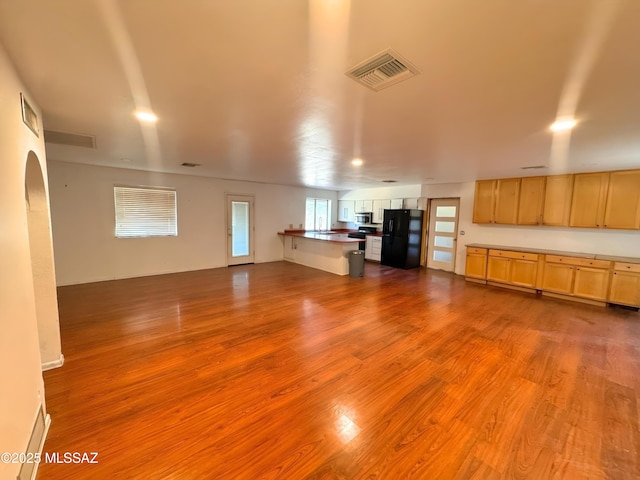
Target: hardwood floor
280,371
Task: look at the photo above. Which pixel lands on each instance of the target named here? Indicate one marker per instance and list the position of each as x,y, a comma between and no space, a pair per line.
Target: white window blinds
145,212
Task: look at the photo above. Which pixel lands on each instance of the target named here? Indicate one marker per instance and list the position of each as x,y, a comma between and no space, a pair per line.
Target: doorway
240,229
443,233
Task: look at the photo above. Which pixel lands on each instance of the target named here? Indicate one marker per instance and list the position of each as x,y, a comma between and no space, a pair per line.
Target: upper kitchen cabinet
506,203
364,206
531,200
557,200
379,206
623,200
589,197
484,201
346,209
396,203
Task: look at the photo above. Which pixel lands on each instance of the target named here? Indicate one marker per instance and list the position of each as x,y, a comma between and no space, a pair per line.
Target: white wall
582,240
21,386
82,213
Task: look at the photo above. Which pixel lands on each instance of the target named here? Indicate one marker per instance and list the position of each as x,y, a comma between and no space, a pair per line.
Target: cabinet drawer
627,267
580,262
481,251
511,254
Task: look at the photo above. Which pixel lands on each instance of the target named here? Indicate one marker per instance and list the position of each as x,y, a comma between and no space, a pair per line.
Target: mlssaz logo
71,457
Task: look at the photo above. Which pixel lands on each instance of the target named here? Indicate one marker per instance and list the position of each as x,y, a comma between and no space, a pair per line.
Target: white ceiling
256,89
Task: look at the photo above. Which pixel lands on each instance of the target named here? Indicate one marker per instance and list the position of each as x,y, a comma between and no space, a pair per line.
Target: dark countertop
592,256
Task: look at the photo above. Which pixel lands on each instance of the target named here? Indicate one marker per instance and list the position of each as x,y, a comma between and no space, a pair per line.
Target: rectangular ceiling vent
71,139
383,70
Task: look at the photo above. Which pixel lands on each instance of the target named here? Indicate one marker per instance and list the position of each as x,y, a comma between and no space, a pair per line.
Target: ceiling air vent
383,70
71,139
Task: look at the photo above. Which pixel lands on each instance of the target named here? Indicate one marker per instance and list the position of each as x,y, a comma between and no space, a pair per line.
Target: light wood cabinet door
498,269
484,201
507,197
625,288
589,196
523,272
476,264
531,200
623,200
591,283
557,200
558,278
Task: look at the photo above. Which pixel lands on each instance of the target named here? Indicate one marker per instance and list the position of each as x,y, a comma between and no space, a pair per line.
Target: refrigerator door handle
391,226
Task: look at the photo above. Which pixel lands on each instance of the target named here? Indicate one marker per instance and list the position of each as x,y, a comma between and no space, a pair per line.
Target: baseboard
512,287
36,445
476,280
571,298
53,364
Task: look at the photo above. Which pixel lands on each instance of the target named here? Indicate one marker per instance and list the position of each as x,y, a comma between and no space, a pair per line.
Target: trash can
356,263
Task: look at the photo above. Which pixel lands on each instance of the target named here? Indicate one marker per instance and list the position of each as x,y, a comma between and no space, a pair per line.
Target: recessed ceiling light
563,125
357,162
146,116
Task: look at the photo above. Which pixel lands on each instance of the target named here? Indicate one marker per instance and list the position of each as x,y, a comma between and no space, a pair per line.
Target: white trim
47,424
53,364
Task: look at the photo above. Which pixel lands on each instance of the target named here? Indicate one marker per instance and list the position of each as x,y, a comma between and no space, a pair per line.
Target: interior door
443,233
240,229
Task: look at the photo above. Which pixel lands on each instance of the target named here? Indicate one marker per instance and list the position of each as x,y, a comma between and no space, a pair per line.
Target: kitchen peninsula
328,251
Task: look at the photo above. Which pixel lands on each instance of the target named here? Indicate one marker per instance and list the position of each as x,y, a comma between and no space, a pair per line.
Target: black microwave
364,218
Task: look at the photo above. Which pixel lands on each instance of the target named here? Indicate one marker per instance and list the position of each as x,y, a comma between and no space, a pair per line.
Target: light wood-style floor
280,371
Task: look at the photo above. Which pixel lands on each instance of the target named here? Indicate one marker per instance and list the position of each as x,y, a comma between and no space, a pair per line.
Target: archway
44,283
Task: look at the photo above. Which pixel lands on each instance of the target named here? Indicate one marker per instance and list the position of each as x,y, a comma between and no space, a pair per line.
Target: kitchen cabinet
346,209
396,203
625,284
410,203
484,201
379,206
373,248
591,282
557,200
515,268
580,277
531,200
588,201
476,265
506,201
623,200
364,206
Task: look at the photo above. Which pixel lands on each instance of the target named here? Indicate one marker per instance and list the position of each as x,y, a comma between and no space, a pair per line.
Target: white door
240,229
443,233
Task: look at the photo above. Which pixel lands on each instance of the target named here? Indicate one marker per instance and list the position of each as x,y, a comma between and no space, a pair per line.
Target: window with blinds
145,212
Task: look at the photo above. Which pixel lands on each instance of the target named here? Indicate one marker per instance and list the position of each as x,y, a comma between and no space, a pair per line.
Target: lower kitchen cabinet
514,268
586,278
580,277
625,284
476,265
557,278
591,283
373,248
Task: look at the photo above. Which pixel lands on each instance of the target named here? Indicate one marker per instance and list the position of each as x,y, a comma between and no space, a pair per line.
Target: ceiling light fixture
357,162
146,116
563,125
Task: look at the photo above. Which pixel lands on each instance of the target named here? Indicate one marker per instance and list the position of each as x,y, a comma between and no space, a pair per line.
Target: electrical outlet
300,225
290,226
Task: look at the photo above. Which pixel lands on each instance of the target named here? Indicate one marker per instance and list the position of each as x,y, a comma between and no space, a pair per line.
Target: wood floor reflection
280,371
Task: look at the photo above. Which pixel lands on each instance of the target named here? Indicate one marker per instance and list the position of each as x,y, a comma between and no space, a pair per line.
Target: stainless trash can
356,263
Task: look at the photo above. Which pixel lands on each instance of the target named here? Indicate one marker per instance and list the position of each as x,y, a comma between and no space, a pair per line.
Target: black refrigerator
402,238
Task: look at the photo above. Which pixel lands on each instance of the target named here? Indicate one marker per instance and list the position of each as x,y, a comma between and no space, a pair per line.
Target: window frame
316,225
